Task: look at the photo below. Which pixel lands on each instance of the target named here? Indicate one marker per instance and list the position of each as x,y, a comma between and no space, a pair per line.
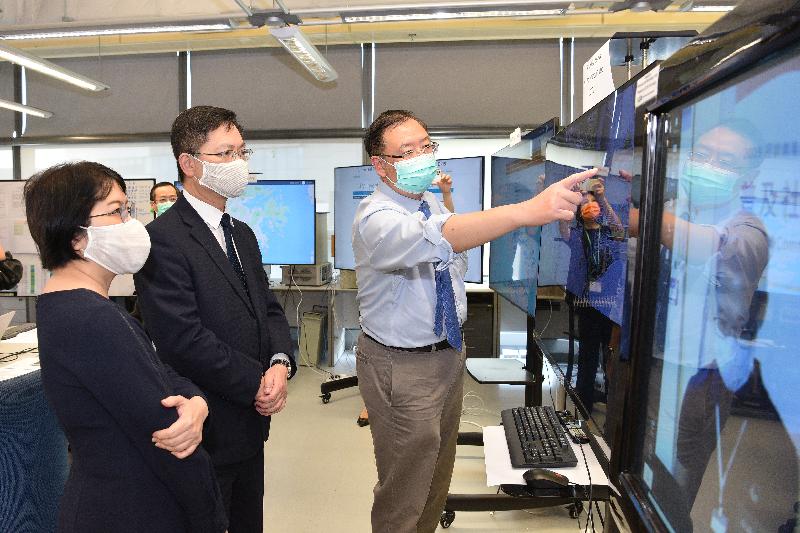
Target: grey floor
320,467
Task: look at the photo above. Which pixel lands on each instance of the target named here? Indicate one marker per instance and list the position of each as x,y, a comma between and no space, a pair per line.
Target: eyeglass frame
432,146
244,154
723,165
118,212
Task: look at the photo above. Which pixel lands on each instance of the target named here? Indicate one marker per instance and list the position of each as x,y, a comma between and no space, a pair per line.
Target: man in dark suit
206,303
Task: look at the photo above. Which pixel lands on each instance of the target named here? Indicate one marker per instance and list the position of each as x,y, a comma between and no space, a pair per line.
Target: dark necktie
445,316
231,251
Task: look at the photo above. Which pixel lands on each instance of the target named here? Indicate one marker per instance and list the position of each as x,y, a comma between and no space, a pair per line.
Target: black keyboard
13,331
536,439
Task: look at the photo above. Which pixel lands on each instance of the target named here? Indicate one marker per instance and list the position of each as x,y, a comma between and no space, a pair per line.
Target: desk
516,495
33,450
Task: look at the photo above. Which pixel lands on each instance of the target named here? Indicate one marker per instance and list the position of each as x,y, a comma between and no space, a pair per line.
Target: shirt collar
210,214
410,204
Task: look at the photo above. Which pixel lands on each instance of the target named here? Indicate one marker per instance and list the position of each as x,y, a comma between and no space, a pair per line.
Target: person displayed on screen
716,252
410,268
10,270
133,424
590,241
163,195
206,303
445,183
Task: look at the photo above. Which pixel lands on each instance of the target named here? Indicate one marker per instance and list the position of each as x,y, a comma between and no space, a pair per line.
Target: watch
284,362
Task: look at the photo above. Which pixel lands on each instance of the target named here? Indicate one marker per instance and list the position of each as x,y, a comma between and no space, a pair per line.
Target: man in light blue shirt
410,265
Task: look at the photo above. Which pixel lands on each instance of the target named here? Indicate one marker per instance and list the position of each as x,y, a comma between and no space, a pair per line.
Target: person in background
445,184
101,374
410,266
10,270
163,195
206,302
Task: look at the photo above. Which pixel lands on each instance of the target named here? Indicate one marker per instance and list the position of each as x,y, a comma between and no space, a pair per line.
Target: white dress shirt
396,254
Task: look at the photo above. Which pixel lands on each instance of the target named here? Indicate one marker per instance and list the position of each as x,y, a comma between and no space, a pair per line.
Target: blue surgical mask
162,208
415,175
708,185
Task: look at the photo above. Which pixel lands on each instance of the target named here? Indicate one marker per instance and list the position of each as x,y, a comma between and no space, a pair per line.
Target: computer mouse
542,478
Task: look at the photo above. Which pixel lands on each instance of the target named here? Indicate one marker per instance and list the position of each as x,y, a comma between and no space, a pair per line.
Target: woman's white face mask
119,248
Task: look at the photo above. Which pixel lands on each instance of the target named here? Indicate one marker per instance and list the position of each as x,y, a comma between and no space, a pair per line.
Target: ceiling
322,21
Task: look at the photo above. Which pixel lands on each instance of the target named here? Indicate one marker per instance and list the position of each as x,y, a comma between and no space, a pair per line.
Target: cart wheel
326,397
575,509
447,518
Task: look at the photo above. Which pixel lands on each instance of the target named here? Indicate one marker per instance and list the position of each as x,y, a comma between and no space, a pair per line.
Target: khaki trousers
414,403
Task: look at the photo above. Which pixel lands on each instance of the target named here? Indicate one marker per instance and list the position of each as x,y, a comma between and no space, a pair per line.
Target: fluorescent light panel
36,112
116,30
444,15
305,52
47,68
713,9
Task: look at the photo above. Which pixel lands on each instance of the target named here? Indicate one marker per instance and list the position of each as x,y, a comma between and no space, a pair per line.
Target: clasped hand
271,397
184,435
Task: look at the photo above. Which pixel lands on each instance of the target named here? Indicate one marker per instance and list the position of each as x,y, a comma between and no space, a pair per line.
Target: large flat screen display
281,214
353,184
721,433
518,174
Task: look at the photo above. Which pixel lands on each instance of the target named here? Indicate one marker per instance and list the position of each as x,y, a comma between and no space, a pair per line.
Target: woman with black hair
134,426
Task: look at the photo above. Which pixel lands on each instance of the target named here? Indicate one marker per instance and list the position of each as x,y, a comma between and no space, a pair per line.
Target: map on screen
281,214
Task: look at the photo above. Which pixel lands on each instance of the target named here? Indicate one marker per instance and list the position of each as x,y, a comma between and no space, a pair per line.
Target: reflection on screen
281,214
518,175
720,451
353,184
594,244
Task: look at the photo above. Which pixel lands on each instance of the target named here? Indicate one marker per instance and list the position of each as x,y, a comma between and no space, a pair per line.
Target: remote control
575,433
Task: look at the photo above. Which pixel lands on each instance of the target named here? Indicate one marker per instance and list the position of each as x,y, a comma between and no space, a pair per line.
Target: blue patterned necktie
445,316
231,251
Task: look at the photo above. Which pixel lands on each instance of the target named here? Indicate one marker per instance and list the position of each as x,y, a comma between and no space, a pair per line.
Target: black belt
441,345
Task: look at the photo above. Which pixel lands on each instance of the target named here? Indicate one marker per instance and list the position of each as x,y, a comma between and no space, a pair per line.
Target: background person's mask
708,185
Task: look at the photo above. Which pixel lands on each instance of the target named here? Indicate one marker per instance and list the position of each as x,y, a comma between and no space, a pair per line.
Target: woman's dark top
105,383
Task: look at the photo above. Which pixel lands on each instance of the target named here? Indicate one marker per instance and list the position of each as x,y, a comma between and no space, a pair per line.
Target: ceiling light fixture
117,30
28,110
712,9
444,15
47,68
305,52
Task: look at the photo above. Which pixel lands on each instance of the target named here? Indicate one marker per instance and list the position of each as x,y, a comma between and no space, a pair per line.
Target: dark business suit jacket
207,328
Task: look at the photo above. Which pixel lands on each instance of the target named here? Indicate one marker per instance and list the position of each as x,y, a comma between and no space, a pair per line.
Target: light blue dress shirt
396,252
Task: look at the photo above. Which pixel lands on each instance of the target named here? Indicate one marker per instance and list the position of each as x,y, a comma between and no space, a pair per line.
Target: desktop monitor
518,174
353,184
281,213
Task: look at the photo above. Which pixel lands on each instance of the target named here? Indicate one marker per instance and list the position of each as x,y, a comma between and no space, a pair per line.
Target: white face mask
119,248
227,179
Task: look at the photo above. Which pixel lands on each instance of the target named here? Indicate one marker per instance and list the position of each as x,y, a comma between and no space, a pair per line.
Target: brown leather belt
441,345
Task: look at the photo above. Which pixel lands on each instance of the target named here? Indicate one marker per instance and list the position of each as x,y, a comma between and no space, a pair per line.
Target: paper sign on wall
597,79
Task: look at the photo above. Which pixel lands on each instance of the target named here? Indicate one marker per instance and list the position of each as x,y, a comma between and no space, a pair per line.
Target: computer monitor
518,174
281,214
353,184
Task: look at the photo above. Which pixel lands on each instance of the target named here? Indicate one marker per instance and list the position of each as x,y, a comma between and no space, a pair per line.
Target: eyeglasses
124,212
230,155
429,148
722,161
